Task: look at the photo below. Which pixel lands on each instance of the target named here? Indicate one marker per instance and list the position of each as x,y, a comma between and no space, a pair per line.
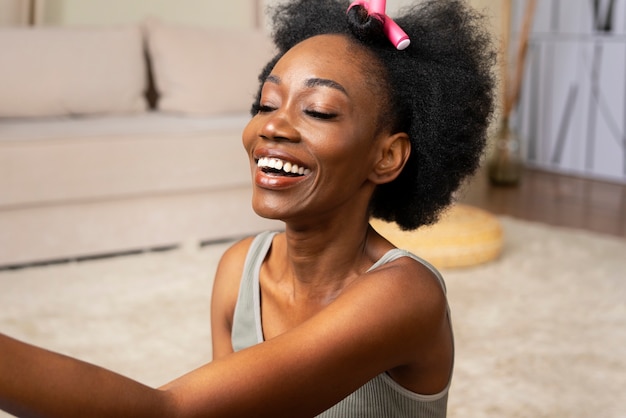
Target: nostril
279,128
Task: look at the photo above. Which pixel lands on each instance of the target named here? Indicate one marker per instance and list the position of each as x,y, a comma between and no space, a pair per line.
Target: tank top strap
247,330
396,253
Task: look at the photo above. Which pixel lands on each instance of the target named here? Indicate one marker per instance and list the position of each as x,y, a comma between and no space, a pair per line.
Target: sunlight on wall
231,13
13,12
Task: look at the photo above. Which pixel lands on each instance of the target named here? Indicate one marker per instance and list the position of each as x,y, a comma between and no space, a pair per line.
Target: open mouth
278,167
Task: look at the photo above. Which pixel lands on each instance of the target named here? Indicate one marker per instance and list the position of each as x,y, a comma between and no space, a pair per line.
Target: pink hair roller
377,8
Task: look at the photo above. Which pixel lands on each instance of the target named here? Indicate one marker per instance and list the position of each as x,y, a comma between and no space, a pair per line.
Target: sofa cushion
57,160
206,70
56,71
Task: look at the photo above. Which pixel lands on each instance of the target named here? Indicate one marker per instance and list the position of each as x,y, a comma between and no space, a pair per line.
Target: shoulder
408,278
230,265
402,308
225,293
410,285
404,301
235,255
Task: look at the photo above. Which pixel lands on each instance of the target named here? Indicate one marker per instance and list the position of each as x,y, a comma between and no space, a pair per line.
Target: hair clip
376,8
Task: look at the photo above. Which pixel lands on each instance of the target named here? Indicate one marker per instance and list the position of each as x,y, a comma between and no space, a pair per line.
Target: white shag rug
540,332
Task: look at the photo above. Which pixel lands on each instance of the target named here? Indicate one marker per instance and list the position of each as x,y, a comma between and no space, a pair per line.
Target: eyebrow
312,82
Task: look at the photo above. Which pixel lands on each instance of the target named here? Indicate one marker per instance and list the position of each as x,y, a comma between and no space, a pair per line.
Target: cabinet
572,110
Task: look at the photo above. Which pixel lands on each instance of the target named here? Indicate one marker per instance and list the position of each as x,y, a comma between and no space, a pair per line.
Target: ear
393,153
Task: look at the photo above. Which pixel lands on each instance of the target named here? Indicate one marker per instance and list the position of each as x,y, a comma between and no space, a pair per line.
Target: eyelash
259,108
320,115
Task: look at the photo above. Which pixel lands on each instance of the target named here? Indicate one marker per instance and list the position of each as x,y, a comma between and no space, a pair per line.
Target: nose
278,125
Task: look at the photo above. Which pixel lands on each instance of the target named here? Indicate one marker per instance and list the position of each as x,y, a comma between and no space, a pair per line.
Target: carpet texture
540,332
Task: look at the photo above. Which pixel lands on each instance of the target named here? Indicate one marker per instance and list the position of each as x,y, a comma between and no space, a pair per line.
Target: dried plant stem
512,88
504,57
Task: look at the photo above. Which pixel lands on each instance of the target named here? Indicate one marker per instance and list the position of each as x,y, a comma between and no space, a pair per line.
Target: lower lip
275,182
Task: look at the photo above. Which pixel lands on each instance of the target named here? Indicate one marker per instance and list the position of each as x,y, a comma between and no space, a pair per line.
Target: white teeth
285,166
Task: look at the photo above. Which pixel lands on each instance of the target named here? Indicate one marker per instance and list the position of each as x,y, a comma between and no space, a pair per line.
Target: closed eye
320,115
259,108
266,108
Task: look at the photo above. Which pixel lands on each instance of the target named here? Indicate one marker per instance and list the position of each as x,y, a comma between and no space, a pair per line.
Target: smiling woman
327,318
317,116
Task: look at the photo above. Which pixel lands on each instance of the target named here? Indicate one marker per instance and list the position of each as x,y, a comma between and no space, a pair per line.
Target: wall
231,13
572,114
235,13
13,12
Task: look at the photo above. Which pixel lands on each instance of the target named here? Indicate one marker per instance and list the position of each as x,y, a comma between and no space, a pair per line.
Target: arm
382,322
372,327
56,385
36,382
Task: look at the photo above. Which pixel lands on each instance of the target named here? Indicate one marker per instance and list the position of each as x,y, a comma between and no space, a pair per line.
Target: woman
327,317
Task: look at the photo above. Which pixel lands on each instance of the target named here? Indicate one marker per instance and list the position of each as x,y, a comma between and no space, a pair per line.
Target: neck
321,253
325,259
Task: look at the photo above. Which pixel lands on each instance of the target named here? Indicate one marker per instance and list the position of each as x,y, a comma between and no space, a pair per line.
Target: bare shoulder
418,310
230,266
225,293
235,255
418,293
408,281
403,304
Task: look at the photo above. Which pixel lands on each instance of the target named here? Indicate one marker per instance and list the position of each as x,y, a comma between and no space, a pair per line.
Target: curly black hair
441,92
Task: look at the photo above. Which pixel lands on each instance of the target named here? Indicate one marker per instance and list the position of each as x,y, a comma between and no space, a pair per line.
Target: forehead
329,45
329,56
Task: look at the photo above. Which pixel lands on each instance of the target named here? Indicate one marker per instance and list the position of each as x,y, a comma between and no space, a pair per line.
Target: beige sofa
92,164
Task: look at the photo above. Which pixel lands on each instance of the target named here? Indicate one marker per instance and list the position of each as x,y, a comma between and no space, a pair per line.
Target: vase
504,165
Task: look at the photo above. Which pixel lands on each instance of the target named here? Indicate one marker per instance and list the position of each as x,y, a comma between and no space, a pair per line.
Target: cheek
248,134
349,143
348,156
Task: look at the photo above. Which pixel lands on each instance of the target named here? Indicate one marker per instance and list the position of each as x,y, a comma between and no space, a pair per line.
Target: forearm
39,383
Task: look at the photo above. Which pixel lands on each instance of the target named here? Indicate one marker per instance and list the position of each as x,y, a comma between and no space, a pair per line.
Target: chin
268,210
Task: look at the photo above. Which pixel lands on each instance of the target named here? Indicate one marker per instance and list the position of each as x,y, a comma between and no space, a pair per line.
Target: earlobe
394,153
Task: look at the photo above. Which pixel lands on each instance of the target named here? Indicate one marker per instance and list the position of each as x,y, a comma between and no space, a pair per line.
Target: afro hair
441,91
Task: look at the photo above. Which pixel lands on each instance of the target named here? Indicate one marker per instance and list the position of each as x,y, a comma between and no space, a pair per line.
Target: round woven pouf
464,236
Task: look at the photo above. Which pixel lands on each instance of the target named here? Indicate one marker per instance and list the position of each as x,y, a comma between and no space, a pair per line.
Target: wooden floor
553,199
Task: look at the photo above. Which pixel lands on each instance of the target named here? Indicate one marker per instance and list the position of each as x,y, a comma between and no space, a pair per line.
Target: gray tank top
380,397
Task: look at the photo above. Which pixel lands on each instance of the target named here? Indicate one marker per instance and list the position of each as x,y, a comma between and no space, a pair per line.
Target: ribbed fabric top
381,397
